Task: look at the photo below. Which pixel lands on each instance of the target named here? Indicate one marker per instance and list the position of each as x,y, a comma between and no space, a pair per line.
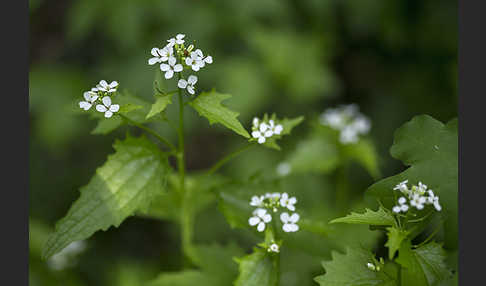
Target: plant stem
399,275
150,131
228,157
342,190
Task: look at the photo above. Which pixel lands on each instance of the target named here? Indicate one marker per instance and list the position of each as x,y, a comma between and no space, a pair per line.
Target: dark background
395,59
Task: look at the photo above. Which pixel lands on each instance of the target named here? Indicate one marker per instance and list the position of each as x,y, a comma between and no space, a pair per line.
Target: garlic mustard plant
139,172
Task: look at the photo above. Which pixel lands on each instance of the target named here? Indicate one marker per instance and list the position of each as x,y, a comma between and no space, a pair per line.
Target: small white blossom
433,199
105,87
260,218
107,107
177,40
262,133
422,188
287,202
348,121
289,222
255,122
170,68
188,84
90,97
196,60
274,248
257,201
418,201
348,135
161,55
283,169
402,187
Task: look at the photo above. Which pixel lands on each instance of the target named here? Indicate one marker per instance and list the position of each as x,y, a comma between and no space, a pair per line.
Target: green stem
399,275
180,155
342,191
228,157
150,131
430,236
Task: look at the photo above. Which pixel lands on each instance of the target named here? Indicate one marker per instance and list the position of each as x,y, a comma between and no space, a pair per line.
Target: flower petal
261,226
192,79
155,52
164,67
178,68
261,140
169,74
287,227
108,114
190,89
172,61
106,101
103,84
253,221
208,59
114,108
294,217
182,83
256,134
101,108
284,217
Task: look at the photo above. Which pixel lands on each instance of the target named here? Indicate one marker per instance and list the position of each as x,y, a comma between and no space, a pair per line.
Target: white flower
259,218
348,135
161,55
274,248
257,201
105,87
289,222
278,129
396,209
287,202
333,118
418,201
177,40
422,188
402,186
433,199
361,124
262,133
255,122
170,68
188,84
196,60
402,206
90,97
283,169
107,107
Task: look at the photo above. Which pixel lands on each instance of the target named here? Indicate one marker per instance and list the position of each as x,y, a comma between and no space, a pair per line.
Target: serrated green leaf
208,104
380,217
127,182
257,269
430,149
395,239
351,269
424,265
161,102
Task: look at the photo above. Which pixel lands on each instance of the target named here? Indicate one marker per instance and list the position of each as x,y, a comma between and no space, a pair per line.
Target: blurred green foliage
395,59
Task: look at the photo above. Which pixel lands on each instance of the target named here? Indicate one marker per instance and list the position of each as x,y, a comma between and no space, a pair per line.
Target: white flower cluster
101,94
273,202
175,51
348,120
418,196
261,129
